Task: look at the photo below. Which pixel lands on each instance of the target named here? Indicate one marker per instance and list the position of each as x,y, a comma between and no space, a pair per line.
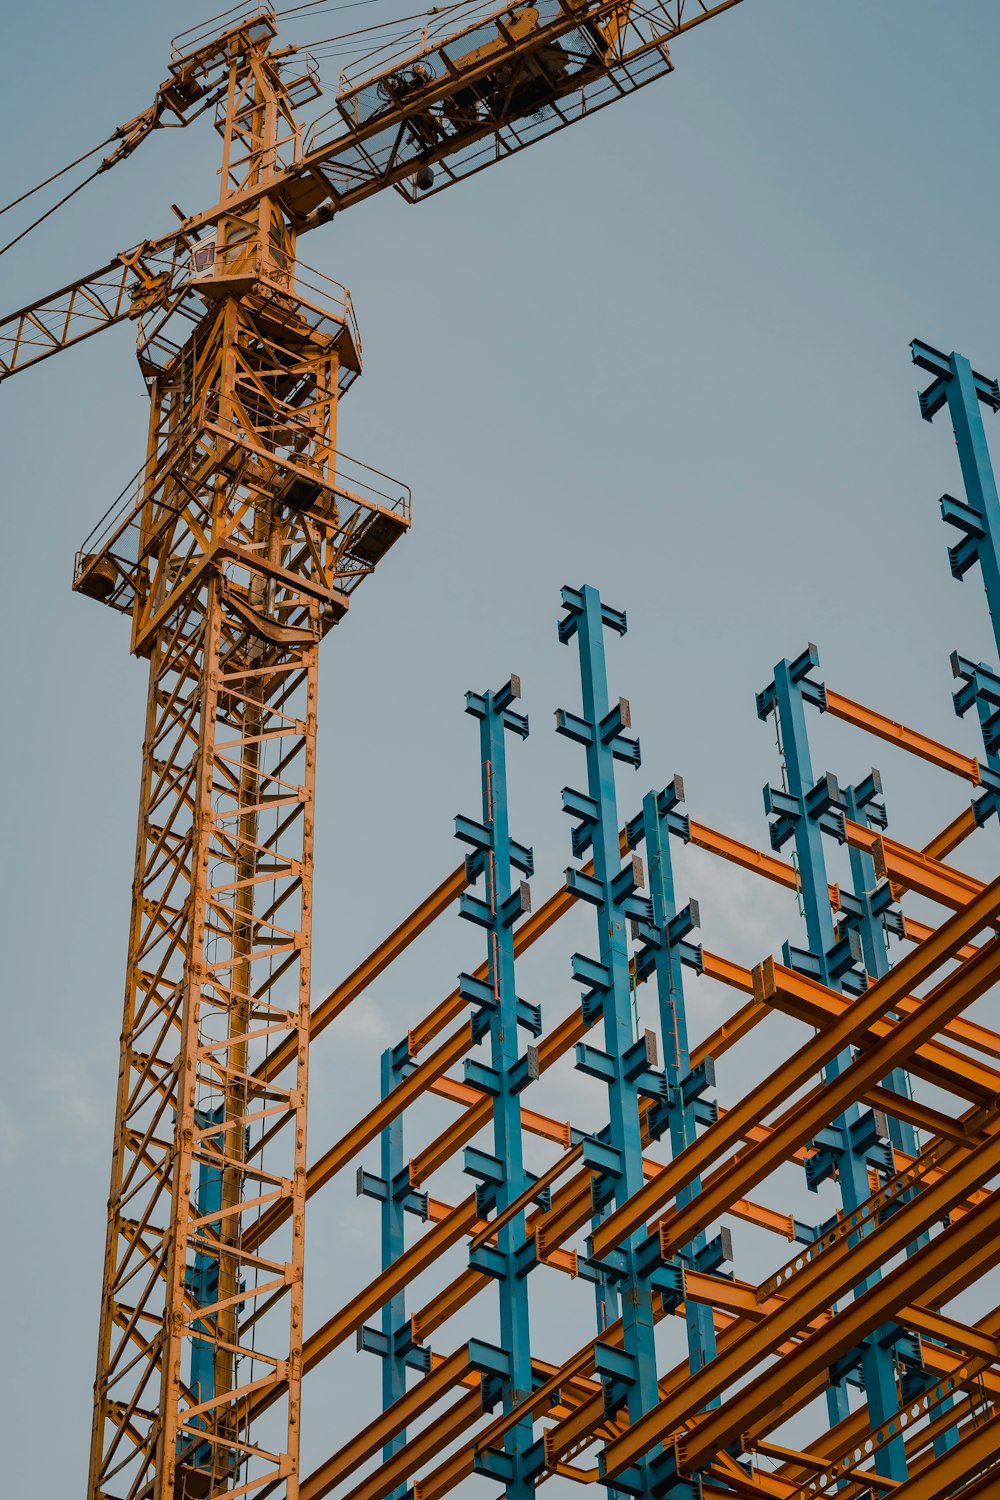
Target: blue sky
665,353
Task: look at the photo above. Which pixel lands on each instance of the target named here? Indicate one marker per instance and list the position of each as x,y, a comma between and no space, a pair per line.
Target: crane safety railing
488,89
125,536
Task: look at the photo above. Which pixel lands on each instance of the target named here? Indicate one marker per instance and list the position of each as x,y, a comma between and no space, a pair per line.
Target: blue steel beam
497,1011
803,809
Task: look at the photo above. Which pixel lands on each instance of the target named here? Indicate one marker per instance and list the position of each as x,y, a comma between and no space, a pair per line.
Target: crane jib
457,104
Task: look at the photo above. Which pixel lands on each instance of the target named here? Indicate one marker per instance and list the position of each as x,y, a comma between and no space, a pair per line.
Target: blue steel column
868,911
202,1282
393,1244
802,810
964,390
502,1176
393,1342
625,1064
664,954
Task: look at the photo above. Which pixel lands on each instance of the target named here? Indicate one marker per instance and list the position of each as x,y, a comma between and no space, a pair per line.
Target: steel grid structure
642,1208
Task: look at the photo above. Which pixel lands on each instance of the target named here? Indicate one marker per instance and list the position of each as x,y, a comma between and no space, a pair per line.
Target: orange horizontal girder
897,734
820,1281
912,970
360,978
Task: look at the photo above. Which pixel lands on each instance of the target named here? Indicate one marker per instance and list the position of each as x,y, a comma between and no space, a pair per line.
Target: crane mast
234,553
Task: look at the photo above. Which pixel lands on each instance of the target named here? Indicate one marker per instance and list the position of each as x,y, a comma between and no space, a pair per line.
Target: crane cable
61,173
49,211
290,10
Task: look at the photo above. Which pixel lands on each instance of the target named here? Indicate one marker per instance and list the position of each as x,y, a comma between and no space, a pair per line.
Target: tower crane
235,550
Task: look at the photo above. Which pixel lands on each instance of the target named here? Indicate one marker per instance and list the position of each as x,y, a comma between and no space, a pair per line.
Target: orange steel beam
911,869
451,888
810,1462
572,1208
816,1005
739,1297
450,1372
934,1121
350,988
806,1116
957,991
907,739
431,1075
421,1448
881,998
820,1282
915,932
747,857
949,838
534,1123
977,1451
571,1030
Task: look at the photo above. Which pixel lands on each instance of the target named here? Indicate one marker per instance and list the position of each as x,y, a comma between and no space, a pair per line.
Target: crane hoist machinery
234,552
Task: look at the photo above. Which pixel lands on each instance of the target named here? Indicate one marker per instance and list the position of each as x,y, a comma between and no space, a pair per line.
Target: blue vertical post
963,390
202,1280
625,1065
960,387
498,1012
665,952
803,810
393,1340
868,910
392,1167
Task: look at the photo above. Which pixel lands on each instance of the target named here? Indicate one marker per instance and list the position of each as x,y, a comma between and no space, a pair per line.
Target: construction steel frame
642,1209
235,552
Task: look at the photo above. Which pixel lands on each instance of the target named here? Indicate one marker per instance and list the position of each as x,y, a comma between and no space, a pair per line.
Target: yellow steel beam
907,739
880,999
369,969
447,1374
821,1282
816,1005
977,1451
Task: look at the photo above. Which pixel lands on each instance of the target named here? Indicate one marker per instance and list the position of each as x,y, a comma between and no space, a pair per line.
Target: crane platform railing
369,508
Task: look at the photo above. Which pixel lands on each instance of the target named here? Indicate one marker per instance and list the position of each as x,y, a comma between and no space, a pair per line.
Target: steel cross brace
625,1065
807,809
501,1177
